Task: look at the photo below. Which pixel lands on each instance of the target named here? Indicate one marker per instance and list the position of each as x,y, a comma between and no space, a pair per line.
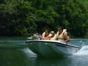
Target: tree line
25,17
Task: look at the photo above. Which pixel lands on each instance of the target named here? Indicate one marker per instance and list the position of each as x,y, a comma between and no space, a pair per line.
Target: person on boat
37,36
45,35
68,39
62,35
52,36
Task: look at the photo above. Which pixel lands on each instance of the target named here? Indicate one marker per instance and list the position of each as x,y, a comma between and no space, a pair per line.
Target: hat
50,35
52,32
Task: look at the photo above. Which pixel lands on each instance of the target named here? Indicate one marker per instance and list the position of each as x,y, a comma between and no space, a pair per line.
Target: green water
15,52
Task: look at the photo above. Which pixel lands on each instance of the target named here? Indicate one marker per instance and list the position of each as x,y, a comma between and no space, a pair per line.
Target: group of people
61,35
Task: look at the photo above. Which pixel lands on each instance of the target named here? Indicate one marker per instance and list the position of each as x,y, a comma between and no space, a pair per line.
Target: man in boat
45,35
52,36
62,35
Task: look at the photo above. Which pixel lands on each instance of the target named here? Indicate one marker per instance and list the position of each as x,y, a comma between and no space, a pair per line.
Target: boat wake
28,52
83,51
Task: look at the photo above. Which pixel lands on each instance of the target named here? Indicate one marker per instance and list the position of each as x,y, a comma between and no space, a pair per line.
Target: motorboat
51,48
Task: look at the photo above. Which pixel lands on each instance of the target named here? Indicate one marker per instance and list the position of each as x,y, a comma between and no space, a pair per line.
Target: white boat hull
49,48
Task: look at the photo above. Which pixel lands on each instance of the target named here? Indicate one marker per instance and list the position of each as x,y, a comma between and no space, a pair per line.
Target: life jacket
61,37
53,38
50,36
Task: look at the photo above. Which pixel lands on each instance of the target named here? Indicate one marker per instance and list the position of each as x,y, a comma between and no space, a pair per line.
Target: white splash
28,52
83,51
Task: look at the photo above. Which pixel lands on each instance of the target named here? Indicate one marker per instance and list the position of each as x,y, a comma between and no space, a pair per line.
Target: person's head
52,32
46,31
60,29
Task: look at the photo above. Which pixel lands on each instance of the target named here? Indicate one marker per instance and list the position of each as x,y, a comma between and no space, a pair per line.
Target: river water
15,52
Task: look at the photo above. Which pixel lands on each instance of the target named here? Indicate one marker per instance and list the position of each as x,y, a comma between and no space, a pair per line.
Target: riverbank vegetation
25,17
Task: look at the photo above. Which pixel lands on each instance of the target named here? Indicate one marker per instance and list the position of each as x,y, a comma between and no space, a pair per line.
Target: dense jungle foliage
25,17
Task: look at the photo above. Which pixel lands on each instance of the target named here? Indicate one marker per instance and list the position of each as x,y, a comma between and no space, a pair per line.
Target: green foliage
25,17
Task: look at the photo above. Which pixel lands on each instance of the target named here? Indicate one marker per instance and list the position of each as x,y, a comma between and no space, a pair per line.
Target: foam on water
83,51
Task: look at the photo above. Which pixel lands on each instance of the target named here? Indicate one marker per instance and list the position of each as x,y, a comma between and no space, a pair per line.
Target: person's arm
43,35
55,37
66,37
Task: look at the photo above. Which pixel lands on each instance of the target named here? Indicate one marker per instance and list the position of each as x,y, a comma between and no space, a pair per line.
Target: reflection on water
52,62
14,52
69,61
79,61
